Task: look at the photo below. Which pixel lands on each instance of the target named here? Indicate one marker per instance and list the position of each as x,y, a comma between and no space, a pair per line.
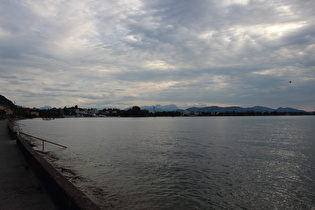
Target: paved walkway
19,187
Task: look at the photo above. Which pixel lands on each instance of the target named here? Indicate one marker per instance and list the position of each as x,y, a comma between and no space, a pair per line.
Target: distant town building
7,110
93,111
34,113
186,112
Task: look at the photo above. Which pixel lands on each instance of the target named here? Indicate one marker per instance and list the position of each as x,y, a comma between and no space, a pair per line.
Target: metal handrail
43,140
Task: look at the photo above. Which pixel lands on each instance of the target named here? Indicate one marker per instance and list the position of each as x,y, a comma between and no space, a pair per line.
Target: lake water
188,162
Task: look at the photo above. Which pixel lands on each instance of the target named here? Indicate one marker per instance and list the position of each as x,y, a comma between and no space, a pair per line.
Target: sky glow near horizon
189,53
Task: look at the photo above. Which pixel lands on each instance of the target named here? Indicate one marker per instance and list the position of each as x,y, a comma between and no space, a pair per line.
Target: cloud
121,53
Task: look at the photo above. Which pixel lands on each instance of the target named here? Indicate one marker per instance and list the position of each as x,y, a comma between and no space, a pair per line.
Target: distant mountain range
45,107
218,109
241,109
160,108
166,108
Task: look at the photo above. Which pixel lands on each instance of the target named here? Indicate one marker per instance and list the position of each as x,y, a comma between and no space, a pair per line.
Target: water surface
189,162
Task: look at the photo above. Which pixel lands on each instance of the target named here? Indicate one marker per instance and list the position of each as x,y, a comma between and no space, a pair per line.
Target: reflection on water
188,163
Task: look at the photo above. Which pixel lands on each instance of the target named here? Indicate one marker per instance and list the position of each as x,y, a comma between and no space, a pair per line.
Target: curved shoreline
66,195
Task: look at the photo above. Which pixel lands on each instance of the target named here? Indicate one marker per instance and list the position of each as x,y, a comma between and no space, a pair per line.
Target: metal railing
43,140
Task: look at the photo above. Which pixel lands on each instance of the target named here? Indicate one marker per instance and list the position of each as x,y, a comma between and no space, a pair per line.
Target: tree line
135,111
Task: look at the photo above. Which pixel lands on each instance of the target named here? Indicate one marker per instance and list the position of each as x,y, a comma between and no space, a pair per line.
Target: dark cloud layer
122,53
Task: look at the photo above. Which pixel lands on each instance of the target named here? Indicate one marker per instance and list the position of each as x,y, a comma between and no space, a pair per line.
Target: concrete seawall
65,194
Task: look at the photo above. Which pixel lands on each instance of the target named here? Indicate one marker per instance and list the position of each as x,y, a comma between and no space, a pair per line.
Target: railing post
43,141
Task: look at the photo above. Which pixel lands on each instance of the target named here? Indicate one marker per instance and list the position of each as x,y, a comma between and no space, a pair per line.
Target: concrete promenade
19,187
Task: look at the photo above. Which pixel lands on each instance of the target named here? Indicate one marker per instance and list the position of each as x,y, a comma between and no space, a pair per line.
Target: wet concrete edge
65,194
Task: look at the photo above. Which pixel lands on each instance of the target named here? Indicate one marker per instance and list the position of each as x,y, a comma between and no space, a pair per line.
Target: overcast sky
98,53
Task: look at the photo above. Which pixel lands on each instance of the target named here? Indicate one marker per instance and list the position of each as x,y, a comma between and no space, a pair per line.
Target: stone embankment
64,193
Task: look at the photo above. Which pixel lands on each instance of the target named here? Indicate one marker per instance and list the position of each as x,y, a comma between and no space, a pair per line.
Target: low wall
65,194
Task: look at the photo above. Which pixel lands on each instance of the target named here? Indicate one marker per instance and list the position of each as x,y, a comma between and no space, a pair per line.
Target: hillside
6,102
